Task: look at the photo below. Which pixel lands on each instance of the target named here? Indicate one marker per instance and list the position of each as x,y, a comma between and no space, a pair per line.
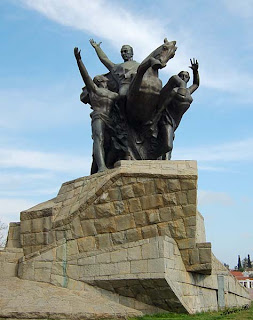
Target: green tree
249,262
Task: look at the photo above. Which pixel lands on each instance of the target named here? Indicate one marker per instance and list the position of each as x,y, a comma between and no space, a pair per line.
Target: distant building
243,278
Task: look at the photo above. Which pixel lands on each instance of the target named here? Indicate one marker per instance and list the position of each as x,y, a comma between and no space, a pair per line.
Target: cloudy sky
45,130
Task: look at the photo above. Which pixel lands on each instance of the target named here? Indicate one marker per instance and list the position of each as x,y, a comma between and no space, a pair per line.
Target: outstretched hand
77,53
94,43
194,64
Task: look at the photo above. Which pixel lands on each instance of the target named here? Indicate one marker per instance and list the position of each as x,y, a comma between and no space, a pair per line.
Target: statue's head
100,81
127,52
184,75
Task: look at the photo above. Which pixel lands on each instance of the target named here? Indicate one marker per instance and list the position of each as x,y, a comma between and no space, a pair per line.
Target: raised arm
194,66
101,55
84,73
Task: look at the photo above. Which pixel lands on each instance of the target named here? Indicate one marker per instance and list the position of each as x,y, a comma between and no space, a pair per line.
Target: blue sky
45,130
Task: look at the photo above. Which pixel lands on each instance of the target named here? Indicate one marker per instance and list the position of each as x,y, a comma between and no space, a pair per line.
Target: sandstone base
133,235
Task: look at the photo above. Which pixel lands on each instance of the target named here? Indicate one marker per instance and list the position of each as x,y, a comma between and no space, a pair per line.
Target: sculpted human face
126,53
184,75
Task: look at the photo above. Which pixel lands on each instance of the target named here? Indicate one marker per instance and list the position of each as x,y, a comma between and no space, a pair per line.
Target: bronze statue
122,72
134,116
101,101
177,101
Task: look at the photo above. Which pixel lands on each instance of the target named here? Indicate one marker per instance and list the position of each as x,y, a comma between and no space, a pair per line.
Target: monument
128,239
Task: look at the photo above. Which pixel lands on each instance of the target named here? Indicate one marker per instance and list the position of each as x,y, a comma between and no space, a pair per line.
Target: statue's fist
94,43
77,53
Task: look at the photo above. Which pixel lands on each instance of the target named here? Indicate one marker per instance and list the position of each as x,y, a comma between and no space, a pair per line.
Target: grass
230,314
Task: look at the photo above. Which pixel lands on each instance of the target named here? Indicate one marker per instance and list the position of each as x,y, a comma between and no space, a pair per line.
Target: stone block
139,266
188,184
164,229
108,269
127,192
86,244
177,212
149,187
88,227
194,256
72,248
58,268
134,253
58,280
186,244
105,225
103,258
73,271
161,186
88,213
140,219
134,205
192,196
138,189
103,240
124,222
119,237
119,255
86,260
42,275
181,198
26,226
104,197
205,255
150,251
134,234
149,231
156,265
190,210
115,194
169,199
120,207
153,216
190,232
165,214
76,228
152,202
190,221
173,185
104,210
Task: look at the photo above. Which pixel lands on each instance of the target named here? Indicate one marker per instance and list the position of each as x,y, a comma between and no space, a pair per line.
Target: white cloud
115,22
15,158
10,208
232,151
214,198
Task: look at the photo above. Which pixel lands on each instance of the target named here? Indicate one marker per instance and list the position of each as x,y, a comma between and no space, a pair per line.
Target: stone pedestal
134,234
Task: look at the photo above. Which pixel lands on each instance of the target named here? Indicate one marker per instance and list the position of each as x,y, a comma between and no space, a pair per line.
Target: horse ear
166,40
